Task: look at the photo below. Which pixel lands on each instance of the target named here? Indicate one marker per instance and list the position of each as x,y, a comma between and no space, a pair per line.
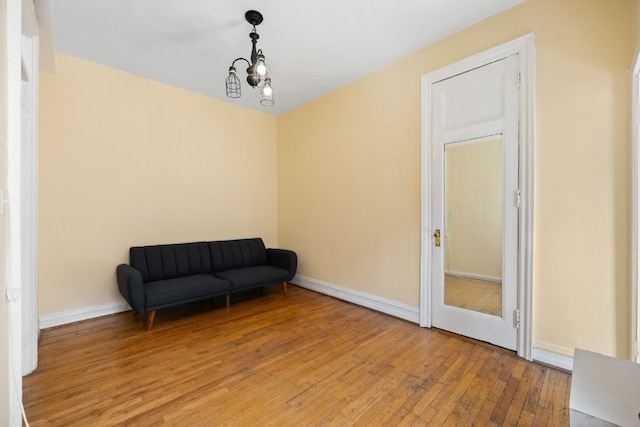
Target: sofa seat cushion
251,277
166,293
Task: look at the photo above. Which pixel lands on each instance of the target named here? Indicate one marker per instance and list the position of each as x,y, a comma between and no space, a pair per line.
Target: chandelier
257,73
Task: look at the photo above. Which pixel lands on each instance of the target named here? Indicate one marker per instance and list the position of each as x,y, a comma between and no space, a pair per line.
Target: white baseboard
384,305
550,358
387,306
79,314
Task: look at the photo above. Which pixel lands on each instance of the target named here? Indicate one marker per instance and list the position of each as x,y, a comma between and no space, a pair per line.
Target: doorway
477,204
474,208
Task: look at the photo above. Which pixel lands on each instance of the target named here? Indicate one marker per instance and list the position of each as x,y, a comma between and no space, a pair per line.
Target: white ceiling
311,47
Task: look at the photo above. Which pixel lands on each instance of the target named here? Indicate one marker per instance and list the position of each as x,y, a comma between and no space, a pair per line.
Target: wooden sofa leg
150,316
284,287
228,302
134,315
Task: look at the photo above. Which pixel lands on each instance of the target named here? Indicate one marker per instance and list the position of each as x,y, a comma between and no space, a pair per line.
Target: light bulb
261,68
267,90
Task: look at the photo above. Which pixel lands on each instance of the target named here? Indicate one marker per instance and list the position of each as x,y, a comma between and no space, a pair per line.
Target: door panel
474,207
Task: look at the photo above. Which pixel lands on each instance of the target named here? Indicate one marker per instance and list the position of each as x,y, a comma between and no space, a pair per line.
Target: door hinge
518,198
3,202
517,318
518,78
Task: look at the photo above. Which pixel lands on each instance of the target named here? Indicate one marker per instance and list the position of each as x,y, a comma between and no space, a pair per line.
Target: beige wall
349,172
126,161
473,208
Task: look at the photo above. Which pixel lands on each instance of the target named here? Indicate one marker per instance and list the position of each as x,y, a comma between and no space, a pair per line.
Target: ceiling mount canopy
258,72
253,17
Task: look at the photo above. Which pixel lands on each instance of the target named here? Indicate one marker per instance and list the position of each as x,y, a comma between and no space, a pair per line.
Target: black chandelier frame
257,71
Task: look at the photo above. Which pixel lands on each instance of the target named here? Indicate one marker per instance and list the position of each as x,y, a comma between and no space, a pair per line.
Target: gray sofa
165,276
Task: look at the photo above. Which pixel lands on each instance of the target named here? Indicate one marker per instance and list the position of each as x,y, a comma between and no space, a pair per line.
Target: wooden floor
473,294
301,359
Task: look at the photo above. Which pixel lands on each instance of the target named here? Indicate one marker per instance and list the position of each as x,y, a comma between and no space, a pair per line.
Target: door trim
29,201
525,48
635,211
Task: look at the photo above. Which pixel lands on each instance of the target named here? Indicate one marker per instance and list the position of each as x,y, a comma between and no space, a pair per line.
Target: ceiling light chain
257,71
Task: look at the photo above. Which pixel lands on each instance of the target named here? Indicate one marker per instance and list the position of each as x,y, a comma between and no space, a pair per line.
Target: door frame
635,211
524,47
28,179
19,199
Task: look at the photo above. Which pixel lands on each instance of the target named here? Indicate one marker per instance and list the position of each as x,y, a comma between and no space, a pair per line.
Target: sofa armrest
283,258
131,287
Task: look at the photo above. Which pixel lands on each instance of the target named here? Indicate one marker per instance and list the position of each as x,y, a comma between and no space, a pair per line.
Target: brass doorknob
436,234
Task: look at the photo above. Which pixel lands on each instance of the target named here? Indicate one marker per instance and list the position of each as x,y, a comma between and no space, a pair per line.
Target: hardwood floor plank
541,417
560,412
277,359
517,403
504,403
536,374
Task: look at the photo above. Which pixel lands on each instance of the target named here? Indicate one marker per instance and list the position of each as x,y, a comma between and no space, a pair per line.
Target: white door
474,203
7,400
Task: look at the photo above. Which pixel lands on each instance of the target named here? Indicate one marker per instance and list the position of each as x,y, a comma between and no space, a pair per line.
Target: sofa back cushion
230,254
161,262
